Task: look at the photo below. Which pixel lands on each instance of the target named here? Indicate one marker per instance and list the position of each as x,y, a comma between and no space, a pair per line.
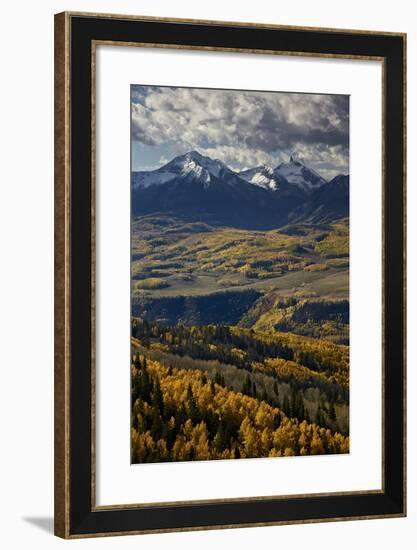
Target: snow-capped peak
214,166
194,161
295,156
195,167
262,176
192,165
297,173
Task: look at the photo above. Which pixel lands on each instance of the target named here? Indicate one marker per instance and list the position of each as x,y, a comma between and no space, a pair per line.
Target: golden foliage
261,430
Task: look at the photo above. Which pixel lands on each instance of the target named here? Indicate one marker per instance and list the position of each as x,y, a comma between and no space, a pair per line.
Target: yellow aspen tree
179,451
266,441
251,438
289,452
144,446
162,449
316,445
274,452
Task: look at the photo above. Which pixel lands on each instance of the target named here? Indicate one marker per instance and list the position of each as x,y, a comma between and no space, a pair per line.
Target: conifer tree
319,416
277,421
219,440
246,388
286,405
332,412
157,397
157,426
193,411
218,378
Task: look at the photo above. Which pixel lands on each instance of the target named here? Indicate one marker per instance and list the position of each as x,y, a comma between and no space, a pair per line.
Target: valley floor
239,341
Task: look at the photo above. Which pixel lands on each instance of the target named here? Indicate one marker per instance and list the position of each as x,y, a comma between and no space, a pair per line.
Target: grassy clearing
152,284
196,259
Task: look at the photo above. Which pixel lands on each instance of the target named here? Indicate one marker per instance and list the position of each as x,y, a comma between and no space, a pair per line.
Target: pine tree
189,392
219,440
246,387
144,383
169,434
157,426
332,412
193,411
297,404
302,411
218,378
211,420
286,405
157,397
319,416
180,417
294,403
277,421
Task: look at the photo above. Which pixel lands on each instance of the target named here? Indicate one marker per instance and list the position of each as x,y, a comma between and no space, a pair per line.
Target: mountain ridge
196,186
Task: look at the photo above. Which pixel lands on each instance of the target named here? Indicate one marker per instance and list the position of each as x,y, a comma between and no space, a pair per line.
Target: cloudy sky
241,128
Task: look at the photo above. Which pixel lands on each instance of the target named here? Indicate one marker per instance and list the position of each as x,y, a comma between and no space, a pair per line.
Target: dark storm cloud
245,128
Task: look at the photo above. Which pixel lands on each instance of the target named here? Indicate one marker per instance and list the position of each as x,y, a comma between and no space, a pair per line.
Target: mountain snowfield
201,168
263,176
194,186
297,173
192,164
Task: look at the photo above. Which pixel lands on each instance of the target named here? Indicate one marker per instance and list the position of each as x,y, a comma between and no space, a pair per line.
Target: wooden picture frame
76,35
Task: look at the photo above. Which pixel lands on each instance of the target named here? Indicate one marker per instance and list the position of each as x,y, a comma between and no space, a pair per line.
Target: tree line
301,361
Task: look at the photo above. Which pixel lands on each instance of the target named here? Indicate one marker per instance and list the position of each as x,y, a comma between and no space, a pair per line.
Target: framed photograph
229,275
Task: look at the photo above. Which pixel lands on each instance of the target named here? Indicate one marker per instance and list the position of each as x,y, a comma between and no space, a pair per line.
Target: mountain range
197,188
